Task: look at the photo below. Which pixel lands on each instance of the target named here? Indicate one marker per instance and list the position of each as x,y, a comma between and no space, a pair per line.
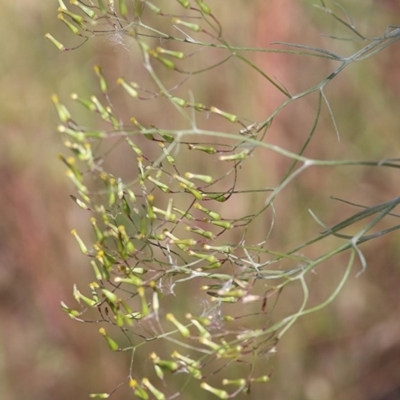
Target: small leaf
184,331
222,394
189,25
112,344
56,43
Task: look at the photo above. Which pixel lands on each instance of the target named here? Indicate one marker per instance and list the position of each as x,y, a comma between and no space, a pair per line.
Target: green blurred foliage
350,350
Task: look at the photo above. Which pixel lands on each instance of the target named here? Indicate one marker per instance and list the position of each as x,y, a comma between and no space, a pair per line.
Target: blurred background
351,349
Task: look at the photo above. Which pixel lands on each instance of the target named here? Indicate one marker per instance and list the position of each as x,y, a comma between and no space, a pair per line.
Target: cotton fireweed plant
180,282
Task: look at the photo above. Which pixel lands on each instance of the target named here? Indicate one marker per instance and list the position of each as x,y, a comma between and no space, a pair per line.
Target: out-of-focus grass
347,351
43,355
